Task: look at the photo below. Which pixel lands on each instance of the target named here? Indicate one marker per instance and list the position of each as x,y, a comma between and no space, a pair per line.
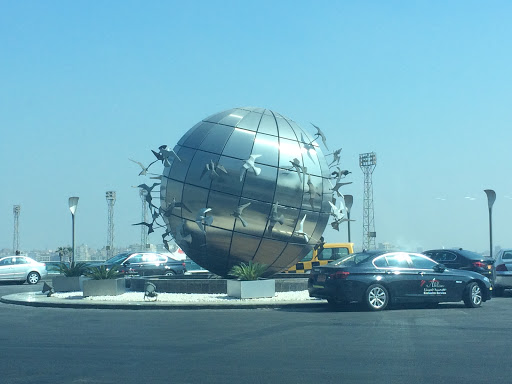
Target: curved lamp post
491,197
349,200
73,202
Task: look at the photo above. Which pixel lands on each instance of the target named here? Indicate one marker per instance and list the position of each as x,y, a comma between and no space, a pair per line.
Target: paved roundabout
135,300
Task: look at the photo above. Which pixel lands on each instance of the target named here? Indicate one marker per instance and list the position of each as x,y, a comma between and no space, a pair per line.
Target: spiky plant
73,269
103,273
249,271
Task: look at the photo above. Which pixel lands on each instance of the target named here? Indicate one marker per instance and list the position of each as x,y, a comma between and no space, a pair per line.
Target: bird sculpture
163,155
301,230
147,188
338,213
274,218
155,214
149,225
338,186
312,192
336,157
320,134
180,233
145,169
211,169
319,246
147,195
338,174
238,213
202,220
307,146
166,244
299,168
174,204
249,164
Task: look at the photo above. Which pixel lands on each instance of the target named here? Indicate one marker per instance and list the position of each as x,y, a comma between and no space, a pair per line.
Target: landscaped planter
106,287
251,289
68,284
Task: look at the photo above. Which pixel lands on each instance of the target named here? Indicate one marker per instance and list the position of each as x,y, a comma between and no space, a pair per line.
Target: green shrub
250,271
73,269
104,273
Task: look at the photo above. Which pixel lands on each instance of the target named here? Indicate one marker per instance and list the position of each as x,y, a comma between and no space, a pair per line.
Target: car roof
380,252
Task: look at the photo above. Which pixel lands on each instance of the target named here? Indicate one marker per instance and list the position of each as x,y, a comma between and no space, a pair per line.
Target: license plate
321,278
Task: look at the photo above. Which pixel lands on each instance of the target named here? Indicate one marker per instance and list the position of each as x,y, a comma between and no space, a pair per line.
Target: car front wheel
33,278
473,295
170,273
376,297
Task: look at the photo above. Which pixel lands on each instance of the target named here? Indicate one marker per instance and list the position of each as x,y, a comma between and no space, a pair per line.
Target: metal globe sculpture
246,184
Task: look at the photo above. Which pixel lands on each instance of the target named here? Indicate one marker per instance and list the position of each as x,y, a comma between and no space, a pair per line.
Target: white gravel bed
187,297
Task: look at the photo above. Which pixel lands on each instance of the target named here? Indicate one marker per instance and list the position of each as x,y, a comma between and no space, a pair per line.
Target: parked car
146,264
463,259
53,267
378,278
195,269
502,271
21,269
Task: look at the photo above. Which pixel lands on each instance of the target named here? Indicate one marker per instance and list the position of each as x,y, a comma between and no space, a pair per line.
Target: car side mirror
439,268
126,263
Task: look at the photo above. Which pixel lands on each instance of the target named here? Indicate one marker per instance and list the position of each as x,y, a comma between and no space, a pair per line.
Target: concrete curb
37,300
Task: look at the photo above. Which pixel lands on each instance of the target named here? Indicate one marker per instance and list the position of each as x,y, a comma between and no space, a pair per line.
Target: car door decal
432,287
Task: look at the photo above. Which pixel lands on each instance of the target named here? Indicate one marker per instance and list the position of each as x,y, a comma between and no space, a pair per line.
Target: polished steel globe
246,184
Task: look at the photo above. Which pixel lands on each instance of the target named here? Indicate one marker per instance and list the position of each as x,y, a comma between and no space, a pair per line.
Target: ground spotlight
48,289
150,291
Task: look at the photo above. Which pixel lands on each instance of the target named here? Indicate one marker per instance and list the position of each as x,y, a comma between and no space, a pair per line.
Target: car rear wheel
33,278
376,297
473,295
170,273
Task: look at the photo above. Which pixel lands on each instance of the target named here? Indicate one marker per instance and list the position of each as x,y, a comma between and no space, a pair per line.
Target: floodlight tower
16,239
143,230
111,199
367,162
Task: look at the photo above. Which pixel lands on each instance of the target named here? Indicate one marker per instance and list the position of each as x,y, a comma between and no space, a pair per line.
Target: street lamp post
349,200
73,202
491,198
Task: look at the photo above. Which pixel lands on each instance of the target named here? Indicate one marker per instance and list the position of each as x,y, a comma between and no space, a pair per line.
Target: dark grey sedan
146,264
378,278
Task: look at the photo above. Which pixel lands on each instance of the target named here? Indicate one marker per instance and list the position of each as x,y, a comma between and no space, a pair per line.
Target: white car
502,271
21,268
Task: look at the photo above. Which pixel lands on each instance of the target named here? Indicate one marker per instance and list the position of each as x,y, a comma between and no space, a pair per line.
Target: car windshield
117,258
353,259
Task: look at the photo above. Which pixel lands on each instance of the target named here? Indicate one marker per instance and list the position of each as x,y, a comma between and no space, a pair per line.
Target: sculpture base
251,289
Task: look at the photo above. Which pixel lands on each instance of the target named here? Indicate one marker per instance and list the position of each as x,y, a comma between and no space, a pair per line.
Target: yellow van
321,255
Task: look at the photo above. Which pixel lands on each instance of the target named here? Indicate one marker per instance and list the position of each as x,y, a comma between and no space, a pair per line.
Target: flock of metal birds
213,170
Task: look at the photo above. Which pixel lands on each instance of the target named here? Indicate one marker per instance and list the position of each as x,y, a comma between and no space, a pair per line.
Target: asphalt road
447,344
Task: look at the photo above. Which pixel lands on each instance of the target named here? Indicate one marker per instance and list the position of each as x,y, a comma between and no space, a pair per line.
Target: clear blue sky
86,85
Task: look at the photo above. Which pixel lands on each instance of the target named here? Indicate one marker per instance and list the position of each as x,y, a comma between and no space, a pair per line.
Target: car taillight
340,275
501,267
479,264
